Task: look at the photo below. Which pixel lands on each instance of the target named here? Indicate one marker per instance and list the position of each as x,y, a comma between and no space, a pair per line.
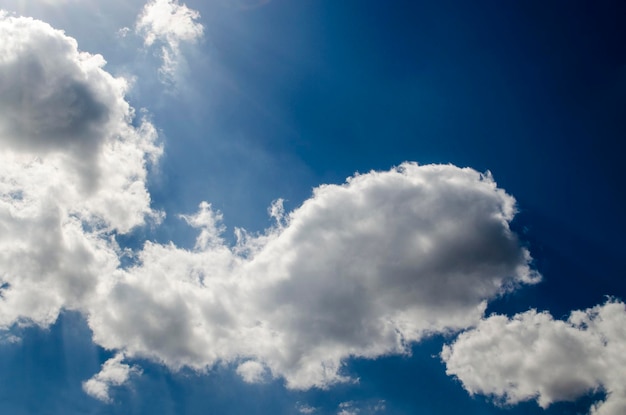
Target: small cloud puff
305,409
531,356
168,23
113,373
251,371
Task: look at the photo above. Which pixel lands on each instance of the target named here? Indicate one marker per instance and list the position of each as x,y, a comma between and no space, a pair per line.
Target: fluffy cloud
251,371
113,373
360,269
72,171
533,356
168,23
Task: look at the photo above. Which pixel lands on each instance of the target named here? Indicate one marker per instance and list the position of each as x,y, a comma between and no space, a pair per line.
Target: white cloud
251,371
361,407
305,409
168,23
348,408
72,171
113,373
534,357
362,269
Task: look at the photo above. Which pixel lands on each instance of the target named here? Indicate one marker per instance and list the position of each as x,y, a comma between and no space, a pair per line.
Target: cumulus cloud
360,269
168,23
113,373
72,171
251,371
532,356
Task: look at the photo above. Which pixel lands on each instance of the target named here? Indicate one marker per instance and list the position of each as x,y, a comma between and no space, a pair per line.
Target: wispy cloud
305,409
367,407
167,23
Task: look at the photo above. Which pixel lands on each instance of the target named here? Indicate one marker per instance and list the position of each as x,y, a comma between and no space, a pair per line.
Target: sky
312,207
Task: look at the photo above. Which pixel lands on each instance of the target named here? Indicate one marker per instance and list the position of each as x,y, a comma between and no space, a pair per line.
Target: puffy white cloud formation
72,171
533,356
361,269
168,23
113,373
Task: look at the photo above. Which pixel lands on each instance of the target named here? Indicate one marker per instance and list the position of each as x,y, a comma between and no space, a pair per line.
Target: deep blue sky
297,93
534,93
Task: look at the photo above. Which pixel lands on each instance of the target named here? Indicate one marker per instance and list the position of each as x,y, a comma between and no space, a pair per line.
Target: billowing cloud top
72,171
533,356
361,269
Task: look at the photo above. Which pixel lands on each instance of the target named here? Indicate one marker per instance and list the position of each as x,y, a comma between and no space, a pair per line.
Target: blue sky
285,207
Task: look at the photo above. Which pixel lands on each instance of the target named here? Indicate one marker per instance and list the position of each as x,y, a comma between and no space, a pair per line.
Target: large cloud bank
531,356
361,269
